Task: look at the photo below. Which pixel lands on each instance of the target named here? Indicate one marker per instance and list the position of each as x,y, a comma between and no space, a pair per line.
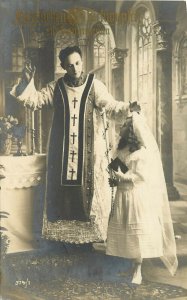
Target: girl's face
123,144
128,140
124,130
124,133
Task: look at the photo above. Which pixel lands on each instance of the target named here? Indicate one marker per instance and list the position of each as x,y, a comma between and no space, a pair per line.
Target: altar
19,190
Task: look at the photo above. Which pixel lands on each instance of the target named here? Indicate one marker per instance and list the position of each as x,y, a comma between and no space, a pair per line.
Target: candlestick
32,133
32,120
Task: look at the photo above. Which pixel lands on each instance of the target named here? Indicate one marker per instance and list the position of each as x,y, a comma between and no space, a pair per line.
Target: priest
78,197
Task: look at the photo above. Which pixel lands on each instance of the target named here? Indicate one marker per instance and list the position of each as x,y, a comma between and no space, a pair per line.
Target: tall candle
32,121
32,133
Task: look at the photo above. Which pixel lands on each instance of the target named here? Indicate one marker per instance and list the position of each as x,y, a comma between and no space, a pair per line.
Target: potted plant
7,128
3,236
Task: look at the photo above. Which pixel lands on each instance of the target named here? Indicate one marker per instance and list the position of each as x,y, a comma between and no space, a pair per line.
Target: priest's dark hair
64,53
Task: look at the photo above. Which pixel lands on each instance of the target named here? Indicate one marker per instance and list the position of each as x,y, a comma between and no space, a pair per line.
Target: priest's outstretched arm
30,97
103,99
26,93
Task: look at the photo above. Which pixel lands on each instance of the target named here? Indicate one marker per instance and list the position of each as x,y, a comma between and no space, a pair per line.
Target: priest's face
73,65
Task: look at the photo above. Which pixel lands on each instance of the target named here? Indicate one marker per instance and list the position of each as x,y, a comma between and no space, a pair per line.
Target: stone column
118,56
2,93
163,32
83,44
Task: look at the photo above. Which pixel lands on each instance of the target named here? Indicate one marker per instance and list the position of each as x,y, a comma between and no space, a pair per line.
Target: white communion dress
134,229
141,224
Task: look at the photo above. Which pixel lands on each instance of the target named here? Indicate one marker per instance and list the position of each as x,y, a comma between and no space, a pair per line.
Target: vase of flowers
7,128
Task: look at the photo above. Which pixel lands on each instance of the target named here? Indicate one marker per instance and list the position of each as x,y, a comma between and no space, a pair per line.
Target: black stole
70,199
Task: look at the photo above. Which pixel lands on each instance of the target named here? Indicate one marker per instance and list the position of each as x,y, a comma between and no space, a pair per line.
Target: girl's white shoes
137,279
137,276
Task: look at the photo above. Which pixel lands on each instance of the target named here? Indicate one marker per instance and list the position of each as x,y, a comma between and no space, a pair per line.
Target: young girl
140,225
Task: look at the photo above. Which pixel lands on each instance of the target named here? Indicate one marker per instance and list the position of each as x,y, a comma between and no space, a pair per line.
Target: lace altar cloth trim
71,231
22,171
24,181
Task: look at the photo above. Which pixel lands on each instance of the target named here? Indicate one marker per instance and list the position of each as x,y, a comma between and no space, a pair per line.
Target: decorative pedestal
18,193
5,146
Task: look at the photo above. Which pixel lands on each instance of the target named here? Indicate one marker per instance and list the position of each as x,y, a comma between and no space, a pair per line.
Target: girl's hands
121,176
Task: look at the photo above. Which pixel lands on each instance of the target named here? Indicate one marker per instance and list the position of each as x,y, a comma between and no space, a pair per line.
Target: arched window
63,39
144,47
15,67
98,46
145,64
183,68
140,64
180,71
17,58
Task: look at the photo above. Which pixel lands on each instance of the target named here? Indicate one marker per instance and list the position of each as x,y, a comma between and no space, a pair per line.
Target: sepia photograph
93,143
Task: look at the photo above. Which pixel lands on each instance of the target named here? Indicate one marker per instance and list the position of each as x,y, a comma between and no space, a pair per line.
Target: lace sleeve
29,96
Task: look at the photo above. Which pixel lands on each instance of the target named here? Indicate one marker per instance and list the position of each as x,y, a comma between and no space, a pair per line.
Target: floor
86,274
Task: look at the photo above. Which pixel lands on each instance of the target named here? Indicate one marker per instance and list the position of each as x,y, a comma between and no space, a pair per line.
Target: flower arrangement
3,237
7,127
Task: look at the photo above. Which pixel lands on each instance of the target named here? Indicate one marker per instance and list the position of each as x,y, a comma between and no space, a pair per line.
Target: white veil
158,191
